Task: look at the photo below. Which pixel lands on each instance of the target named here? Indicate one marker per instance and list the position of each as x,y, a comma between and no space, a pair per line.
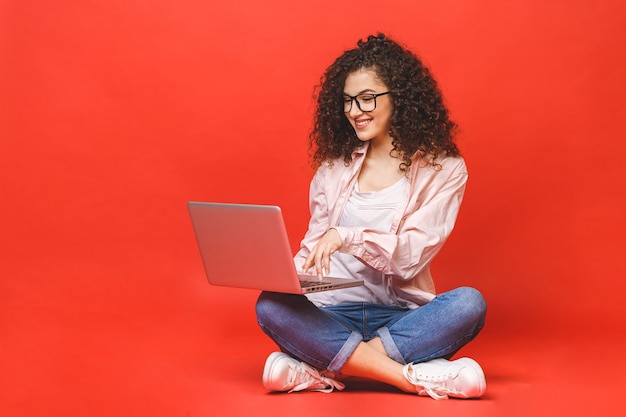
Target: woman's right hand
319,257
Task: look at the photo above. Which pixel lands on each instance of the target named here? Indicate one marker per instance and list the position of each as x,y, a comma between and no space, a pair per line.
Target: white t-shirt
374,210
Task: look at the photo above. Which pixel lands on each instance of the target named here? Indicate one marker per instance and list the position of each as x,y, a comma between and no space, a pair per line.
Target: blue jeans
326,337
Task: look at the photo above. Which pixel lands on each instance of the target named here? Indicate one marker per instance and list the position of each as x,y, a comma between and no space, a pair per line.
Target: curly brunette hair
419,123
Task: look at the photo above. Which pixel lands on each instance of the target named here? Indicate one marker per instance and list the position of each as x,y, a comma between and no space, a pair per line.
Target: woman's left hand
319,257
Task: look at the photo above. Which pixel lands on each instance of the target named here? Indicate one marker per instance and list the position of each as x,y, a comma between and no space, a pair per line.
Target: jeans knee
265,307
275,309
472,302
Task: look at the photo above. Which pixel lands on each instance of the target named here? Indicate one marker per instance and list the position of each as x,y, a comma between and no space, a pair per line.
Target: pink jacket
418,232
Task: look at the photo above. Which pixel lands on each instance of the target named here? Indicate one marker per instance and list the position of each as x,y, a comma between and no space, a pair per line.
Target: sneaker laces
305,377
436,385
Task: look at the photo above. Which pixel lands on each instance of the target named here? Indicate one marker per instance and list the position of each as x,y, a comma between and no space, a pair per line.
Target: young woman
388,185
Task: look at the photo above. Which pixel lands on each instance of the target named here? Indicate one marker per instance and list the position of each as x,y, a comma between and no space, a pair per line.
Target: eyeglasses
365,102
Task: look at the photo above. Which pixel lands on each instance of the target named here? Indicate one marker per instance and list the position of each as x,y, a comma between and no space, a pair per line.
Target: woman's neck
381,168
381,149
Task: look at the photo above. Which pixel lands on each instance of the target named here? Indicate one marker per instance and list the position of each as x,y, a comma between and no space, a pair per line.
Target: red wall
114,113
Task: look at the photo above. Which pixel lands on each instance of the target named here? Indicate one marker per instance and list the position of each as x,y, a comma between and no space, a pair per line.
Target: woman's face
373,124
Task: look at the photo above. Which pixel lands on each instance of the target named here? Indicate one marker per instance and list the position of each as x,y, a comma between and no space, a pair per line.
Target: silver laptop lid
244,246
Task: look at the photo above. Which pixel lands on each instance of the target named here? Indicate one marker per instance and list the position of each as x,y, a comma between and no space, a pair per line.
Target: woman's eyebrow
367,90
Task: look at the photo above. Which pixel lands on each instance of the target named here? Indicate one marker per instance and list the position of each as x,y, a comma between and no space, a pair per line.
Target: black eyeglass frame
358,103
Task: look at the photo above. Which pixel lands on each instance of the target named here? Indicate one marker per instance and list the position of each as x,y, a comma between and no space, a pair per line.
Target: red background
113,114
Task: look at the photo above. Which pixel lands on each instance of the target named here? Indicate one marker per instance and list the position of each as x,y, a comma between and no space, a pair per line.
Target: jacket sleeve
319,222
422,232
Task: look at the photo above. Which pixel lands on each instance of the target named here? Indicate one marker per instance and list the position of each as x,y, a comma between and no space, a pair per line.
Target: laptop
246,246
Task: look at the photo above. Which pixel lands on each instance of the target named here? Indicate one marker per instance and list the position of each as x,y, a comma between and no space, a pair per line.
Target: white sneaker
284,373
440,378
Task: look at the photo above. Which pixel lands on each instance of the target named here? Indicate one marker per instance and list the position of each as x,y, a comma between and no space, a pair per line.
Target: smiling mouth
362,123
